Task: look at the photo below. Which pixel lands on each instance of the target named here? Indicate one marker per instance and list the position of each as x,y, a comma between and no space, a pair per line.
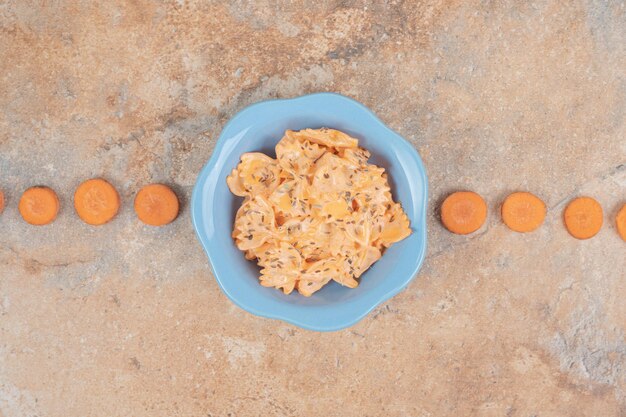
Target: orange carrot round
156,205
523,212
583,217
620,221
1,201
463,212
39,206
96,201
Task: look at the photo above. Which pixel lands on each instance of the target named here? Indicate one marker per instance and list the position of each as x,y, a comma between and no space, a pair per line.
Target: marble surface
127,320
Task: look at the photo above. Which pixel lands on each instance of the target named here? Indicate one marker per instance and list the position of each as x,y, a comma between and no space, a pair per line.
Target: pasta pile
316,213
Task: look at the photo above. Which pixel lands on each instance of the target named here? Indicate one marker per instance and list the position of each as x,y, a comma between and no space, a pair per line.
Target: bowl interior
258,129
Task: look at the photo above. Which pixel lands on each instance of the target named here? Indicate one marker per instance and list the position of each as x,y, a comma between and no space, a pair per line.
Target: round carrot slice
523,212
620,220
463,212
96,201
583,217
1,201
39,206
156,205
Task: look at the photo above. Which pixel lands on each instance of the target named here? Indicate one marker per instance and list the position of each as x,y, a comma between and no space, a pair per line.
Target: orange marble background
127,320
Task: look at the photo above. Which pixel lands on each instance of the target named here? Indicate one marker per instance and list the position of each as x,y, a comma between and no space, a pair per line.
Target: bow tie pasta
317,213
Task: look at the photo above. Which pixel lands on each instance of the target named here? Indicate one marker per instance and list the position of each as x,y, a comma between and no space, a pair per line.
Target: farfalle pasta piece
317,213
396,227
296,156
331,180
340,243
256,174
254,223
359,233
330,138
309,235
357,157
235,184
316,275
357,262
290,198
331,174
282,265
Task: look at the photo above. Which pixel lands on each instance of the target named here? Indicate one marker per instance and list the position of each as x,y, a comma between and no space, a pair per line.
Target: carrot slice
96,201
39,206
620,220
1,201
583,217
463,212
156,205
523,212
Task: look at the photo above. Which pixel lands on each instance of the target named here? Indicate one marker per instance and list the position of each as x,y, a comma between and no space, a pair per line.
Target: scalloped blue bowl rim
355,311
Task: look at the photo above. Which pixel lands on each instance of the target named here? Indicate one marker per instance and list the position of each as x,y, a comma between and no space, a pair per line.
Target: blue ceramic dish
258,128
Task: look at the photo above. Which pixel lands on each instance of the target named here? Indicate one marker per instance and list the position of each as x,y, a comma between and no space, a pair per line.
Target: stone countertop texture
127,320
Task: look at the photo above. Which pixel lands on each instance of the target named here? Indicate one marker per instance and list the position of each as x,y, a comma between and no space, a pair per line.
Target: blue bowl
258,128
